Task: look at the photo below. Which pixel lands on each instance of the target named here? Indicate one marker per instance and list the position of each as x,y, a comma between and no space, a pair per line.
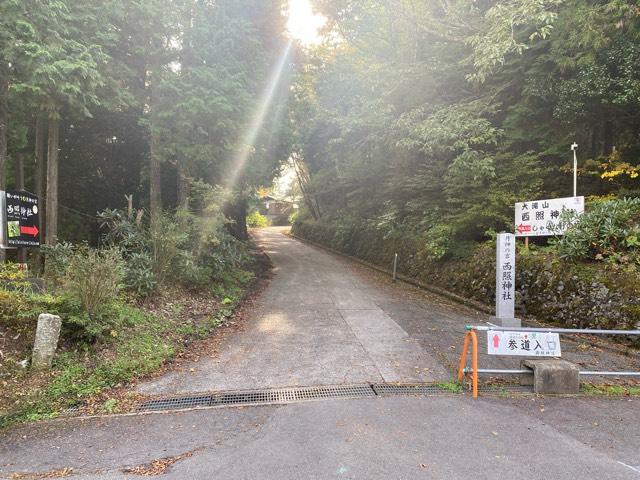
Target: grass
453,387
139,343
609,390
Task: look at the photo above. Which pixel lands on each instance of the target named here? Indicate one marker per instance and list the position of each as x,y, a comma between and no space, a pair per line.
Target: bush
256,220
187,248
607,231
57,259
12,305
94,277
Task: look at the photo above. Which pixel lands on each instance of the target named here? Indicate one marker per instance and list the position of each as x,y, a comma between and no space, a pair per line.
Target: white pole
395,266
574,148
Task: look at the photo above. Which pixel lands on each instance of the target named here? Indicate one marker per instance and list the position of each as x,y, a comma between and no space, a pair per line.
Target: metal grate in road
175,403
301,394
256,397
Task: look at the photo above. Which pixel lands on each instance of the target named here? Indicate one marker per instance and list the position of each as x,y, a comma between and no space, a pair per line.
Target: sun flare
304,24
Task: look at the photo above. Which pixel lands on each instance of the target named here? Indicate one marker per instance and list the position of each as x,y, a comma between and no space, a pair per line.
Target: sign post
506,280
544,218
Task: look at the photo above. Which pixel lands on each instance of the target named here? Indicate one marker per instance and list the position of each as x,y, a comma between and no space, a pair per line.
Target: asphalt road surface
324,320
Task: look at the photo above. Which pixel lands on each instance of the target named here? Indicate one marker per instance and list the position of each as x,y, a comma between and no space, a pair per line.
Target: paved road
325,320
317,323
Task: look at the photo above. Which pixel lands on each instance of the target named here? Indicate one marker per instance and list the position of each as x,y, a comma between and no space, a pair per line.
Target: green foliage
94,277
187,248
608,231
433,119
256,220
13,278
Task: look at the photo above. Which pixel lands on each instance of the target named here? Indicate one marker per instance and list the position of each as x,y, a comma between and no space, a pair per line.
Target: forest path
320,321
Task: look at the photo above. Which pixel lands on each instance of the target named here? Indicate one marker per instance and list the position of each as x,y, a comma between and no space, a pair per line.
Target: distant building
276,210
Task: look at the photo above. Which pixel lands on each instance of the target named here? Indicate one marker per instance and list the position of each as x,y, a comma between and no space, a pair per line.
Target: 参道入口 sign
545,217
529,344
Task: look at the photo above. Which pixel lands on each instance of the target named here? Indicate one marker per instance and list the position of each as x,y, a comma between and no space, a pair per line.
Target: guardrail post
473,337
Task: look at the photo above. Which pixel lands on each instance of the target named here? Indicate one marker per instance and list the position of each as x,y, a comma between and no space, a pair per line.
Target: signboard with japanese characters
545,217
527,344
505,275
21,219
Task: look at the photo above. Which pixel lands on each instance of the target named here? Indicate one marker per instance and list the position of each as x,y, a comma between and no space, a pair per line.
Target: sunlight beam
247,146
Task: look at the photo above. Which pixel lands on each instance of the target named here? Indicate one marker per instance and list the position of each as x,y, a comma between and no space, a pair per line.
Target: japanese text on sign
505,275
547,217
529,344
21,219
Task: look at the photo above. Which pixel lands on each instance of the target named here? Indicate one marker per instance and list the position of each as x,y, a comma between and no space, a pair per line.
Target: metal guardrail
472,337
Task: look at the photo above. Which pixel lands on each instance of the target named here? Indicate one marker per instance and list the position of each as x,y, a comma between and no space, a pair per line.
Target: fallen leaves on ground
157,467
64,472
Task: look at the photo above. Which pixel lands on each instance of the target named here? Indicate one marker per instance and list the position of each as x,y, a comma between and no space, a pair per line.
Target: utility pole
574,149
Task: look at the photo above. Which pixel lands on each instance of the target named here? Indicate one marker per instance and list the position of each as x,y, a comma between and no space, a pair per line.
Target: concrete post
46,343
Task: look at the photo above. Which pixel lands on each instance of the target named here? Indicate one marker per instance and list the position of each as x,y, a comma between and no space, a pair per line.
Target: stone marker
551,375
46,341
506,281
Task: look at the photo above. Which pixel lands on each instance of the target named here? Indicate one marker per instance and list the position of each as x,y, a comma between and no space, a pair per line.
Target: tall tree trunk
41,164
236,210
155,165
184,185
155,180
52,182
40,181
22,252
4,126
20,171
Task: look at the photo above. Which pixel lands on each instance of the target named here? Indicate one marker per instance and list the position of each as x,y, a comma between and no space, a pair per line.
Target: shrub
94,277
12,304
188,248
607,231
256,220
57,259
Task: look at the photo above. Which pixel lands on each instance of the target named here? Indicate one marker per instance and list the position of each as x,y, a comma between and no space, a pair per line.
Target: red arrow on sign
30,230
523,228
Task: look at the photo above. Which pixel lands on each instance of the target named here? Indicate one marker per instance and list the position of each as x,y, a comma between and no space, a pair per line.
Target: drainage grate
257,397
412,389
301,394
175,403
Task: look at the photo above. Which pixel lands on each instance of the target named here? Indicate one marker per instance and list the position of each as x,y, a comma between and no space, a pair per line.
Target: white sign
528,344
505,275
545,217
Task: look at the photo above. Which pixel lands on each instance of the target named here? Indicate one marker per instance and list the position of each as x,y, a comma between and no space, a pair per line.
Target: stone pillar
46,342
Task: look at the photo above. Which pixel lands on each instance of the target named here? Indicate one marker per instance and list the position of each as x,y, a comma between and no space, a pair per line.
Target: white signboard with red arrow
545,217
525,344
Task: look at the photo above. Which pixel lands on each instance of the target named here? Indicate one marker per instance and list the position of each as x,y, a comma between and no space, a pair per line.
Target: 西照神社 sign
546,217
22,224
